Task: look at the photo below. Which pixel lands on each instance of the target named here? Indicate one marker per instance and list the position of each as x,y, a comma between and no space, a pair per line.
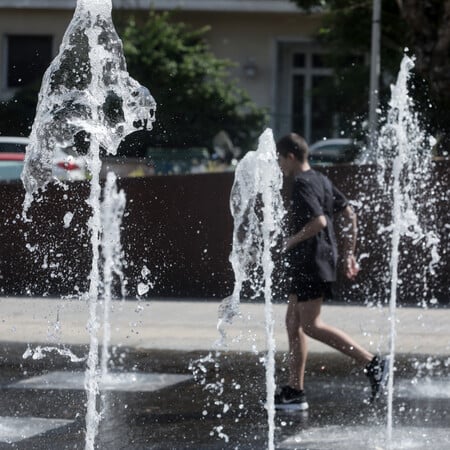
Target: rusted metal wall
180,228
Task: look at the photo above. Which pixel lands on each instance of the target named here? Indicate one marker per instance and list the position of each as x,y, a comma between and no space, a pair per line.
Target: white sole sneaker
292,406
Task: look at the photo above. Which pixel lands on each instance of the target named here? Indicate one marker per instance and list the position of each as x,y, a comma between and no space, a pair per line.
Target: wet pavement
220,404
168,388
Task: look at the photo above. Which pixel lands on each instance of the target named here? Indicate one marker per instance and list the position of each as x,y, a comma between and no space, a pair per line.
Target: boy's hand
351,267
288,244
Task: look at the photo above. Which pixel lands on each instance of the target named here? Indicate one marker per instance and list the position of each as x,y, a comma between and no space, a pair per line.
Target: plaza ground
220,402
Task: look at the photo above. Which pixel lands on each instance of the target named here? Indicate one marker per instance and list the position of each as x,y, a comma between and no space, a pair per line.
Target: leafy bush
195,96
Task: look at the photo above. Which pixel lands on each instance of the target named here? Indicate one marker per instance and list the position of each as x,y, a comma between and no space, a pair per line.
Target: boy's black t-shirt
315,195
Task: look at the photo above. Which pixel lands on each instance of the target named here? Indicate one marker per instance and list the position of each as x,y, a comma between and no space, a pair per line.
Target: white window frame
286,49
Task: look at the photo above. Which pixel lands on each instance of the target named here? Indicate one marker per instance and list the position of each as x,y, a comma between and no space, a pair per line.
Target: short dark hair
295,144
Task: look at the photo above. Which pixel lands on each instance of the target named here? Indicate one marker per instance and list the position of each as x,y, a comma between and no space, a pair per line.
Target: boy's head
295,144
292,150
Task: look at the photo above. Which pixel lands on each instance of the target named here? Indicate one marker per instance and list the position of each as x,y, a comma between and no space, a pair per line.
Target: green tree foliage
420,25
194,94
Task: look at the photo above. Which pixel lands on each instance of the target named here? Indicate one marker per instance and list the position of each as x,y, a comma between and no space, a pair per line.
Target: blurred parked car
138,157
157,161
67,164
334,151
175,161
11,165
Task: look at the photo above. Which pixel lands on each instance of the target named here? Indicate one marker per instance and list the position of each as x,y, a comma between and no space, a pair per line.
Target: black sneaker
291,399
378,373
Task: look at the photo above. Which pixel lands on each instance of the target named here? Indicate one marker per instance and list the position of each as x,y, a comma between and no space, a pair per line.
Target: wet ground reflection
188,416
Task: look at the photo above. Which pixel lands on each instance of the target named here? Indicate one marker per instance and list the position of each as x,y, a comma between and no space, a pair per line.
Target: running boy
312,253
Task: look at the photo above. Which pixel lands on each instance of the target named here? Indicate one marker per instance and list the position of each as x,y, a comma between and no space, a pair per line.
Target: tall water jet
407,147
87,101
87,98
112,211
258,212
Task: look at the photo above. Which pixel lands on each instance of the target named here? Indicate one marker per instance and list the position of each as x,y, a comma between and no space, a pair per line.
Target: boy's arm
314,226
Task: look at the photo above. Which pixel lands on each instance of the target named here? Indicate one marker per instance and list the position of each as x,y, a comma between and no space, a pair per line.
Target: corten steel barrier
180,228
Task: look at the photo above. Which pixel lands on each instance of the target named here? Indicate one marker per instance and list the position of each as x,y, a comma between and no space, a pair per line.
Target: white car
67,165
334,151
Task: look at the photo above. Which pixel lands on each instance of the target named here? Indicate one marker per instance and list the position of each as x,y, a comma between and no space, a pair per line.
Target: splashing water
202,369
403,143
87,101
256,192
112,211
86,97
40,352
258,212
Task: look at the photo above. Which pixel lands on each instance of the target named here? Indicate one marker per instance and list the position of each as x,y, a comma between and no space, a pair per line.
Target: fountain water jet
87,101
87,98
403,143
40,176
113,208
258,212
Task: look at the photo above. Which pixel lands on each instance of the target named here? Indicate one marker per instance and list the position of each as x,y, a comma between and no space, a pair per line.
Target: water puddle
426,388
113,381
365,437
16,429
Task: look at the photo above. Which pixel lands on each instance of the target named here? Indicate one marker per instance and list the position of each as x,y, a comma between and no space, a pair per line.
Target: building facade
278,61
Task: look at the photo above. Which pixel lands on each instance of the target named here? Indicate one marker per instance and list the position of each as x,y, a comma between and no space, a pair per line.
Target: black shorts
309,288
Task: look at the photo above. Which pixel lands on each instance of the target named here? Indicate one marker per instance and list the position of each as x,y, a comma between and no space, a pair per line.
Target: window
12,147
322,112
304,105
298,111
27,58
298,60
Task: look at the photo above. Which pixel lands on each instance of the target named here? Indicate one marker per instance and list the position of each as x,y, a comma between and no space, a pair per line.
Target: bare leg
313,326
298,350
